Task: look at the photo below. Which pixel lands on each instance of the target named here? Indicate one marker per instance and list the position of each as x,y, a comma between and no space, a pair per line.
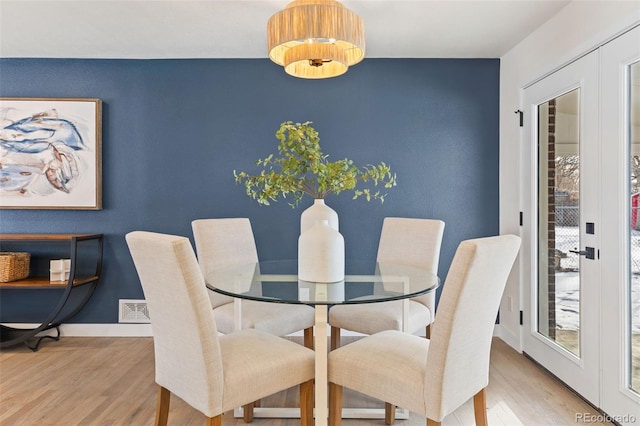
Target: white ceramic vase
321,254
318,211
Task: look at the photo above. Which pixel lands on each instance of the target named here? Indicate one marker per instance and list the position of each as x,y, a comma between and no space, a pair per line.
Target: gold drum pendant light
315,38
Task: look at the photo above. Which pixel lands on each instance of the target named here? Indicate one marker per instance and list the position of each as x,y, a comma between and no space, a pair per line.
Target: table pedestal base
321,411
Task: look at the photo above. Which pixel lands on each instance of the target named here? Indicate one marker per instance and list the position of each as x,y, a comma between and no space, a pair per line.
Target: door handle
588,252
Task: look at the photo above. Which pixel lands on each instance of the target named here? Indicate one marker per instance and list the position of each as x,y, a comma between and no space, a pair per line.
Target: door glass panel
633,287
558,221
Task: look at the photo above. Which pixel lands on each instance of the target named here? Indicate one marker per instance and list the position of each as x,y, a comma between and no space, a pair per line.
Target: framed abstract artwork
50,153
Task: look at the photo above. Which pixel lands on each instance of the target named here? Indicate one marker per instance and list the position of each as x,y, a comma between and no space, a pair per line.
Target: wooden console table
85,276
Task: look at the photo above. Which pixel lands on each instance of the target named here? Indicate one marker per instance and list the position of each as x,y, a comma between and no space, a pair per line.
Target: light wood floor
110,381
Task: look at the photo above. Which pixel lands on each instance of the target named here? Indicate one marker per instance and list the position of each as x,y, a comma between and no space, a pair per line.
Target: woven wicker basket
13,266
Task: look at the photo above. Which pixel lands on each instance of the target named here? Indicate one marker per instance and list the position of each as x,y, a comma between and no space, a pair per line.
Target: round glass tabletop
364,282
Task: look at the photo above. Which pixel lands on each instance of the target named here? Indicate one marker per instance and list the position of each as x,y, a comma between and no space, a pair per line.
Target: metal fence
567,216
568,238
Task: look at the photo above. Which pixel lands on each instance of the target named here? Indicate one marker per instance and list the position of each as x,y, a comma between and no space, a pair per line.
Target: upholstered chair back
412,242
458,360
223,243
187,352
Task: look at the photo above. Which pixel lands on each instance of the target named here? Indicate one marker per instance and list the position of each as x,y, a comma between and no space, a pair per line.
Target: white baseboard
508,337
96,330
107,330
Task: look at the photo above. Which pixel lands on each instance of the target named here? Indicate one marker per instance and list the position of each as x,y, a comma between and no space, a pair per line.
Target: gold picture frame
51,153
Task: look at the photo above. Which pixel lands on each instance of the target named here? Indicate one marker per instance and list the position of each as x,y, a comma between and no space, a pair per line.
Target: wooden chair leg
308,337
480,407
428,332
162,409
389,413
214,421
247,413
335,338
432,423
306,403
335,404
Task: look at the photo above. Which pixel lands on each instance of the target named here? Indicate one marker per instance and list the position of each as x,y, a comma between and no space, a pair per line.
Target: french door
562,232
581,251
620,294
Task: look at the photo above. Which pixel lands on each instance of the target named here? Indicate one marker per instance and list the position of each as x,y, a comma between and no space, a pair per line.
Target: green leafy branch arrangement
301,168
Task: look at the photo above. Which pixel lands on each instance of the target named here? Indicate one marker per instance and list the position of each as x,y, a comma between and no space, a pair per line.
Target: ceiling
146,29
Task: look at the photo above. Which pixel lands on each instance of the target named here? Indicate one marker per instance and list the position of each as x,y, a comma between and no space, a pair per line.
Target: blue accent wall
174,131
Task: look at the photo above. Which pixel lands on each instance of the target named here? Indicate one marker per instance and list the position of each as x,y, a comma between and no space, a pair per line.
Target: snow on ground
568,282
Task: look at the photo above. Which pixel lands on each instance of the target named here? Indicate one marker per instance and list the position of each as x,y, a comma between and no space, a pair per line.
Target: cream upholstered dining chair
406,241
212,373
224,242
433,377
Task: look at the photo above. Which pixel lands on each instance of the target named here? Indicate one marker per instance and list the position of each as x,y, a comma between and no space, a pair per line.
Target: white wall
578,28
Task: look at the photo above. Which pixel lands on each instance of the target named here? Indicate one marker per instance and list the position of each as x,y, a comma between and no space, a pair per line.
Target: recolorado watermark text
604,418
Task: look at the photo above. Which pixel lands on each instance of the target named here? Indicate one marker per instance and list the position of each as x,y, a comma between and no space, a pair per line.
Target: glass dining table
364,282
